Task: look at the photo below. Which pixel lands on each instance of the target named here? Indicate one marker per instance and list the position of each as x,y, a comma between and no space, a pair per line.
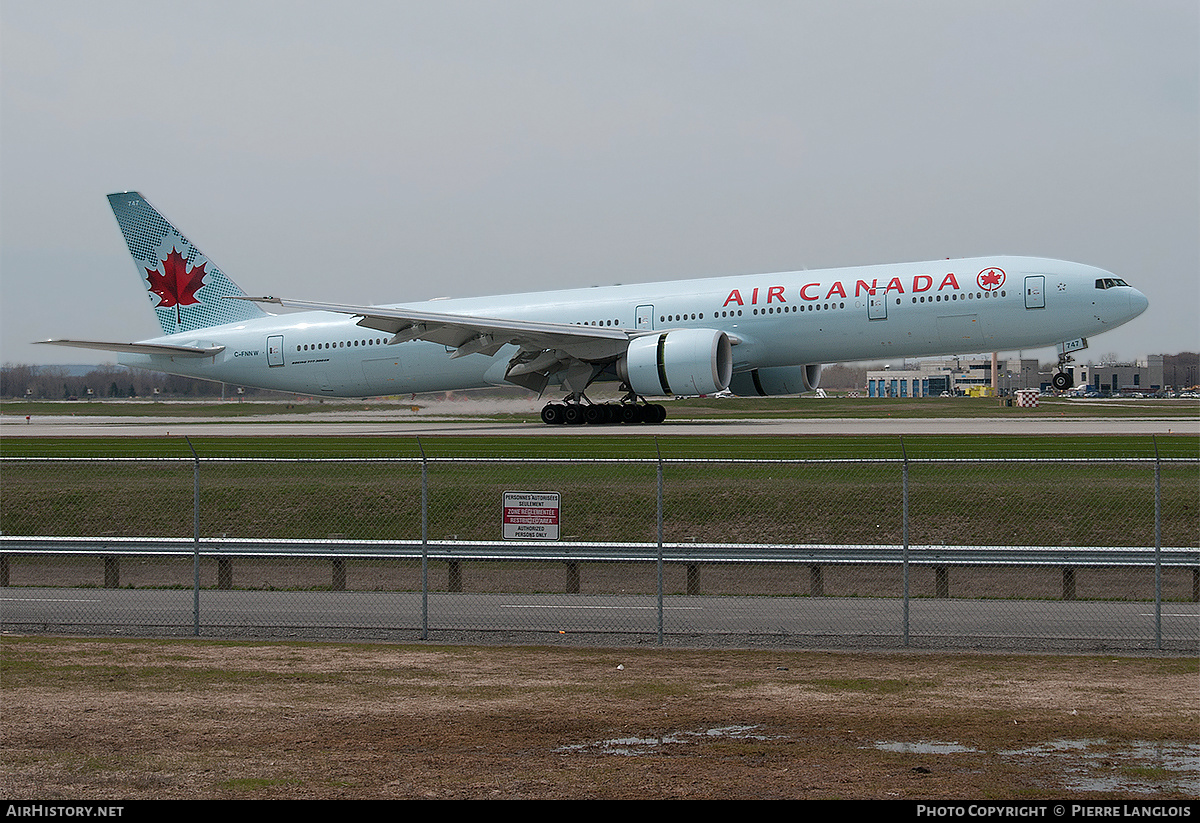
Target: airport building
954,376
966,376
1122,378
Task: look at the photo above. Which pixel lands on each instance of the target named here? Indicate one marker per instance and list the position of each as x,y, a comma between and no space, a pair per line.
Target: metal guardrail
572,555
564,551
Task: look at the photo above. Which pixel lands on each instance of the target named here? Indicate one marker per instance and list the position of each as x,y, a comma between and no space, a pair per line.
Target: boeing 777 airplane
758,334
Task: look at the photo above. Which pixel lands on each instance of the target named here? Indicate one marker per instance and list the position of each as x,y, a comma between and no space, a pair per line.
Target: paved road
979,623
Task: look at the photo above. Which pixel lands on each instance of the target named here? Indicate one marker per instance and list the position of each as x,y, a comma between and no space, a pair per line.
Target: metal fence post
1157,547
195,539
660,542
424,542
904,531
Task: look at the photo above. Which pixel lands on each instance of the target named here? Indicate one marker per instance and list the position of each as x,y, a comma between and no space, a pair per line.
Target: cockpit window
1110,282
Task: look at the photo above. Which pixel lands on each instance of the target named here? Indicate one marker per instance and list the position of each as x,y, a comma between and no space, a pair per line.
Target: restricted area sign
531,515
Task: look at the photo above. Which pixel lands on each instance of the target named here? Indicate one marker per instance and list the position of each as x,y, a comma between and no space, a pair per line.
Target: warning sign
531,515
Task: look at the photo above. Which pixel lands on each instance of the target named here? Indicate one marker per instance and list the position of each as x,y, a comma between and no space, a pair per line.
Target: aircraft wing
139,348
544,348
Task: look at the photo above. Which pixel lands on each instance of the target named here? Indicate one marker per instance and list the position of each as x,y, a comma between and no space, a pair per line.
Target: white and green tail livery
185,287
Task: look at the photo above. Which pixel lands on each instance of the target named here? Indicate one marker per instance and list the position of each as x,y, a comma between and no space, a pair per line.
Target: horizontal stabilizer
140,348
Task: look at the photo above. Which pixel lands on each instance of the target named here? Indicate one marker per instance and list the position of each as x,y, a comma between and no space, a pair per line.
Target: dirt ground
102,719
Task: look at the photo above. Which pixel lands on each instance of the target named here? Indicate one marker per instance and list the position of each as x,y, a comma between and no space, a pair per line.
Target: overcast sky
400,151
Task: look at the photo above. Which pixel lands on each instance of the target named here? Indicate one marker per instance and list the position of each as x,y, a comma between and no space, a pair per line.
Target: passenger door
1035,291
645,318
275,350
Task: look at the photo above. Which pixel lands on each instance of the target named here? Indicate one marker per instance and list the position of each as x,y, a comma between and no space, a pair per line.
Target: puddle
1137,766
1085,765
1097,765
924,748
646,745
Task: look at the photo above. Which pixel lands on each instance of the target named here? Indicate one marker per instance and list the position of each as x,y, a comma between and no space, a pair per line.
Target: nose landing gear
1062,378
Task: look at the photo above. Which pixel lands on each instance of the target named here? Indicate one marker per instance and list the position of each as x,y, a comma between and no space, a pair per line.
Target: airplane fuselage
782,319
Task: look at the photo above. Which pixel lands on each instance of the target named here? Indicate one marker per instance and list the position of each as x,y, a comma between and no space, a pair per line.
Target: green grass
857,447
981,501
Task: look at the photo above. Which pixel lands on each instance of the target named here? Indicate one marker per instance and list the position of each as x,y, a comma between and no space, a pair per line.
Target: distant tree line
1181,370
110,381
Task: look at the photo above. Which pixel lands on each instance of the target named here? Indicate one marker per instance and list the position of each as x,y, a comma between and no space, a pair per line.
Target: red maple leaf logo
990,279
176,286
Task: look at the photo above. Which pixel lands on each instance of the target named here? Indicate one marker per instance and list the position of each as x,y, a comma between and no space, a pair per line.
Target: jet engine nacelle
776,380
680,361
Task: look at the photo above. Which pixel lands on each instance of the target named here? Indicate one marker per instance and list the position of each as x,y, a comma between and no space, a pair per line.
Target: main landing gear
601,414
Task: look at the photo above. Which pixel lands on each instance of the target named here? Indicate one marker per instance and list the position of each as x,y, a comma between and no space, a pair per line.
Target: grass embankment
750,495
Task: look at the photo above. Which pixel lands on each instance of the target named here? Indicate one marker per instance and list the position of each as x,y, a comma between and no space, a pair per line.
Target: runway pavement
492,416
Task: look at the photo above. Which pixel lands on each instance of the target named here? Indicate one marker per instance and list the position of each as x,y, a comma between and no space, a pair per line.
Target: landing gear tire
1061,381
573,414
595,415
631,414
552,414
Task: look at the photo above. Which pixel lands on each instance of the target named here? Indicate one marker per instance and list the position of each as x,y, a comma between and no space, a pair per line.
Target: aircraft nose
1137,303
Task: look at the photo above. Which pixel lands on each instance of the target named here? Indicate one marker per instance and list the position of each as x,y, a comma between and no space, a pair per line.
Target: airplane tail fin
186,289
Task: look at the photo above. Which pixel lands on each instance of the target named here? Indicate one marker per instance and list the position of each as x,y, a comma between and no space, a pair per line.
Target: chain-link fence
1052,553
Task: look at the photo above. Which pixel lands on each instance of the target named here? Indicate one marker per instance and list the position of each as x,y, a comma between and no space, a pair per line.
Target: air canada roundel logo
990,279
